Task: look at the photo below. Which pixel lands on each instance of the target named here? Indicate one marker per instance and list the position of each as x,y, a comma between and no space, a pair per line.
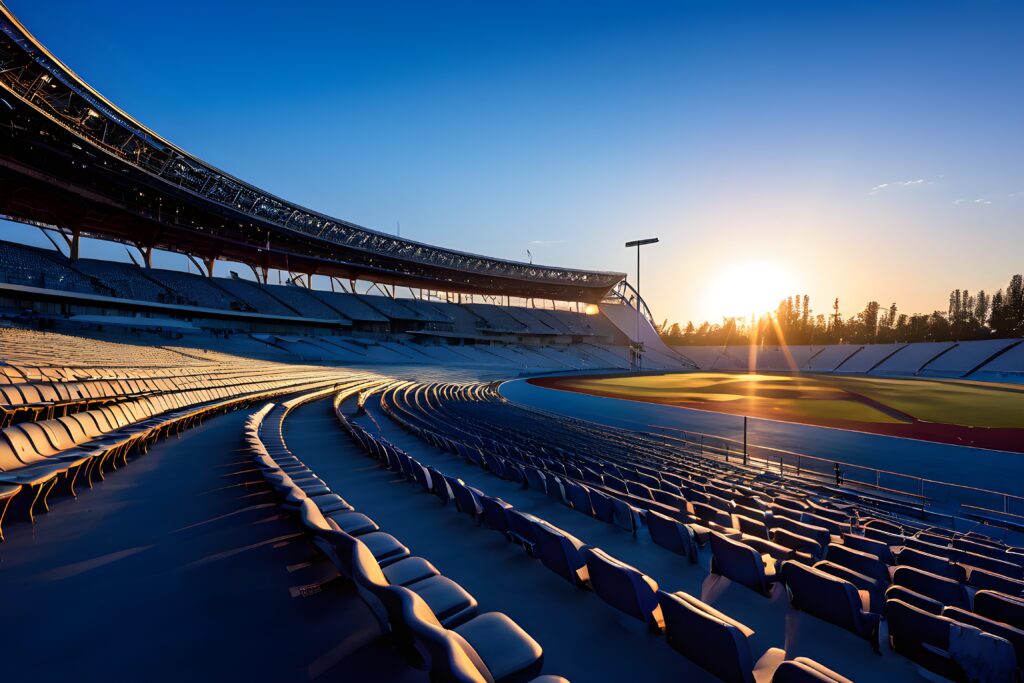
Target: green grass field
955,411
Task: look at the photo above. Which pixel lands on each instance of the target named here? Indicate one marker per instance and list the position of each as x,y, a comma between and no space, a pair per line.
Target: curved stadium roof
69,158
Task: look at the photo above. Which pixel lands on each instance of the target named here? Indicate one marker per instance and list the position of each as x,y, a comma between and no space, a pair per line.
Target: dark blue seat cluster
433,620
842,554
695,629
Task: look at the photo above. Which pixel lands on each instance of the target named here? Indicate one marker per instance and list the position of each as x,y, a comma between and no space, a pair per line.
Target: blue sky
871,150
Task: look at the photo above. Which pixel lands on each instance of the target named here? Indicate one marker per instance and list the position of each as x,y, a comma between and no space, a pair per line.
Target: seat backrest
495,513
8,458
560,552
1000,607
819,534
39,438
449,657
59,434
22,445
738,562
622,586
869,545
707,637
750,526
860,562
625,516
602,504
804,670
75,429
984,580
911,628
946,591
521,525
931,563
823,595
1013,635
674,536
579,497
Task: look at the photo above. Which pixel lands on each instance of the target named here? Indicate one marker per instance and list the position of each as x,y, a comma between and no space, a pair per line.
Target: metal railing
915,491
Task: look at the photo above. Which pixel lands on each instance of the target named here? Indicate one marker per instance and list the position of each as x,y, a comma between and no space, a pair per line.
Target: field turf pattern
963,412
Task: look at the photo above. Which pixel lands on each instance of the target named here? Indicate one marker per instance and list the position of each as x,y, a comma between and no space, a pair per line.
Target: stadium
415,463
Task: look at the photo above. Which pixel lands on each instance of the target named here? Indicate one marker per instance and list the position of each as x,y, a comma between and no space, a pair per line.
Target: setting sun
749,288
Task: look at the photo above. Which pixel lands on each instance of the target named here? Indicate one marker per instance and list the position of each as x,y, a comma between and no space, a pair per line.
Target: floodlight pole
630,245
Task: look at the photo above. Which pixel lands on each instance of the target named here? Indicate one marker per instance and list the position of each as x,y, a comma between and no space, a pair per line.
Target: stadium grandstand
212,477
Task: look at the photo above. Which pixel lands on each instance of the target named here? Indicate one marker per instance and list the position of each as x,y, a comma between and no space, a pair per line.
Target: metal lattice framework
34,85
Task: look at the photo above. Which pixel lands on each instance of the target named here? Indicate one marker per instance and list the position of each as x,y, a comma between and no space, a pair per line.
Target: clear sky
867,150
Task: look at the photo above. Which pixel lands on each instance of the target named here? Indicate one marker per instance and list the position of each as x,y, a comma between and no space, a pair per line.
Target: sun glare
749,288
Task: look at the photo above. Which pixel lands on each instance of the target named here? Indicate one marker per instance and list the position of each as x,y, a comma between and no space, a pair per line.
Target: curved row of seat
434,621
704,635
61,453
836,560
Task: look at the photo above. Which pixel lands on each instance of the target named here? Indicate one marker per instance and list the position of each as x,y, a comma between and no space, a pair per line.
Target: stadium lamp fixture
630,245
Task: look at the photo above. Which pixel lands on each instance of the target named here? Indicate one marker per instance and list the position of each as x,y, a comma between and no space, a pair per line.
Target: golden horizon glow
743,289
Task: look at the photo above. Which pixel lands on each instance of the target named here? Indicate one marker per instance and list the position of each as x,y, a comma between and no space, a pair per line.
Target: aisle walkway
177,568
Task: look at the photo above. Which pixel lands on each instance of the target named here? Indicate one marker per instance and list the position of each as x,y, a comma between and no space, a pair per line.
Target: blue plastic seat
804,670
946,591
860,562
625,516
742,564
521,529
579,497
935,564
1000,607
561,552
490,647
495,513
832,599
447,599
674,536
925,639
624,587
714,641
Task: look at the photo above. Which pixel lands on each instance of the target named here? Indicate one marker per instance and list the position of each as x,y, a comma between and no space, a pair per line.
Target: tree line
968,316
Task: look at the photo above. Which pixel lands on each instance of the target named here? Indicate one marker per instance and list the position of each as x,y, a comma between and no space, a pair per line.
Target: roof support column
75,239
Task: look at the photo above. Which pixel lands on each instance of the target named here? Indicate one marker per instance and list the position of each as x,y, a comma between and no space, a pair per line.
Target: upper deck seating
196,290
303,301
715,641
21,265
257,296
394,309
126,280
350,306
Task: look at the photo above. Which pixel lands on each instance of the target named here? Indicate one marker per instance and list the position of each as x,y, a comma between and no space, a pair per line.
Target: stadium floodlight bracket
640,243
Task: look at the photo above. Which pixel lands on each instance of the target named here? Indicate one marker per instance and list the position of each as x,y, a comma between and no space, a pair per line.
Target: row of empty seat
1000,360
435,623
837,558
73,409
24,265
704,635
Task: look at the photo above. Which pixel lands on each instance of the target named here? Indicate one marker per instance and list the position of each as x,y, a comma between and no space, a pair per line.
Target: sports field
961,412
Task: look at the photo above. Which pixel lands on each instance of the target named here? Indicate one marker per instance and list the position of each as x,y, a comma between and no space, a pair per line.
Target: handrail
878,472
